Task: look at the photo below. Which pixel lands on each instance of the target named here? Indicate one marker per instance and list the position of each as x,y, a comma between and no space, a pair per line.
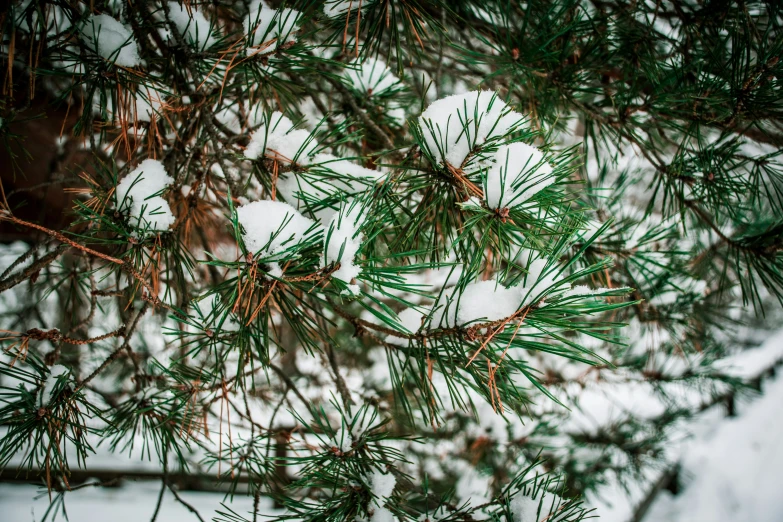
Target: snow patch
272,226
55,373
381,485
139,194
111,40
454,125
268,29
192,25
525,509
371,77
278,139
149,102
343,241
327,177
381,514
518,172
538,282
487,301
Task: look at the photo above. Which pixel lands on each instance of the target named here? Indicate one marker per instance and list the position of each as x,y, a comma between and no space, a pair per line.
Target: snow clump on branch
327,177
139,194
518,172
272,226
47,391
453,126
489,301
381,486
343,241
192,25
372,77
278,139
111,40
526,509
269,29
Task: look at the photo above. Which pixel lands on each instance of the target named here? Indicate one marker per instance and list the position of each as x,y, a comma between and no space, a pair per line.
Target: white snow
335,8
327,176
487,301
55,372
342,235
275,270
454,125
192,25
410,320
732,472
729,465
134,501
381,514
538,282
749,363
346,168
371,76
301,190
443,315
272,226
473,486
489,424
278,139
491,301
148,103
518,172
267,28
138,192
296,146
344,439
525,509
211,314
274,124
111,40
586,291
381,485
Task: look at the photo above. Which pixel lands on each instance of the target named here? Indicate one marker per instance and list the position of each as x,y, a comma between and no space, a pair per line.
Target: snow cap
111,40
139,194
454,125
272,226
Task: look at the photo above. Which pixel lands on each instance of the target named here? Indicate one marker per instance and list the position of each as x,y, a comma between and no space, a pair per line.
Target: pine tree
371,257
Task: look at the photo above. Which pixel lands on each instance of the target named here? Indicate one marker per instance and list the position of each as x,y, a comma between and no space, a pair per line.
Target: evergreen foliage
367,254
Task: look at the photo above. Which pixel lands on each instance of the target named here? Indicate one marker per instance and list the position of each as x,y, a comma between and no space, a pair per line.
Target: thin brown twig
33,269
5,215
116,353
286,379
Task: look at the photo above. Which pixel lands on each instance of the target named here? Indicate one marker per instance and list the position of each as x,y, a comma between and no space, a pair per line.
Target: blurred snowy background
721,468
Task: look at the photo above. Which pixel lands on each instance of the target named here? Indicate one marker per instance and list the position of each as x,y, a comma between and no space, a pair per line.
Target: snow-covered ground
132,502
730,467
730,471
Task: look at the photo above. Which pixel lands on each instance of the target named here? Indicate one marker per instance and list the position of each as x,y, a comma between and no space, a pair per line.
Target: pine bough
308,254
